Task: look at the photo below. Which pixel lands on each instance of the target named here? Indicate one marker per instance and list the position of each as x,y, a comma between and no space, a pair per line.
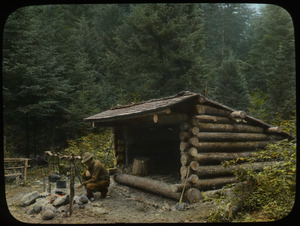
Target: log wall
215,135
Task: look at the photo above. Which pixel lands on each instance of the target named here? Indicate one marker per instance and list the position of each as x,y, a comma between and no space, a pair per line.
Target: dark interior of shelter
159,144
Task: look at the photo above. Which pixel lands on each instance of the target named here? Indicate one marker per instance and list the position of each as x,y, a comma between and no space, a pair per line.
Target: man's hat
86,156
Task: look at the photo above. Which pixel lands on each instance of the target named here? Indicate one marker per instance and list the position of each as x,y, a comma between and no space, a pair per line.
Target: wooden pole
49,173
72,190
25,170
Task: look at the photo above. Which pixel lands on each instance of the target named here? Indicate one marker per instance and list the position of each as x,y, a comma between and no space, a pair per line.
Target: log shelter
167,135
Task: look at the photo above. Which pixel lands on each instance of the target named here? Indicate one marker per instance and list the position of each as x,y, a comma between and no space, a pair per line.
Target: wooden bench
13,164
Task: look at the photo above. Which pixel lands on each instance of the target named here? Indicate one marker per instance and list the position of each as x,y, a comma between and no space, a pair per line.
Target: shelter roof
140,109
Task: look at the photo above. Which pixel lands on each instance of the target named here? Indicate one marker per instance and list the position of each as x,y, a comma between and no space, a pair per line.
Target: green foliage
270,193
99,144
62,63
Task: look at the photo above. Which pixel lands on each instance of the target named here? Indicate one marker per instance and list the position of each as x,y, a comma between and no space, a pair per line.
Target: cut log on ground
229,146
219,170
226,136
239,128
149,185
140,166
215,183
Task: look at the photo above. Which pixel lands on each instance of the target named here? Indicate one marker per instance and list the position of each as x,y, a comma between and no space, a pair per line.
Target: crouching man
95,178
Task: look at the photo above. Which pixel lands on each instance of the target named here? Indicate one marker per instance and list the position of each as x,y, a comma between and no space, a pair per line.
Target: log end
193,195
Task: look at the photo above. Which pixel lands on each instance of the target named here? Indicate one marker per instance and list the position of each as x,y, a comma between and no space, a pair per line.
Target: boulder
29,198
61,200
83,199
48,215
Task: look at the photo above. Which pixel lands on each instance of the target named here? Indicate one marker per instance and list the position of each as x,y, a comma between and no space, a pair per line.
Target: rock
65,208
49,207
100,210
61,200
48,215
37,208
29,198
84,199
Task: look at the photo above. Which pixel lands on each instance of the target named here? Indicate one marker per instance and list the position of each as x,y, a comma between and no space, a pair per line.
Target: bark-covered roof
140,109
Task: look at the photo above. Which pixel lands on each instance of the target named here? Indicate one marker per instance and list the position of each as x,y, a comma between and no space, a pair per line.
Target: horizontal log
209,110
193,195
209,119
169,118
194,165
214,183
237,115
183,145
193,179
218,157
185,159
209,158
219,170
193,141
184,126
150,185
183,136
194,130
227,136
183,171
241,128
229,146
274,129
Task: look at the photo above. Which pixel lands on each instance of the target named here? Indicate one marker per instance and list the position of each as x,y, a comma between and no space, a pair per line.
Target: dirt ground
122,205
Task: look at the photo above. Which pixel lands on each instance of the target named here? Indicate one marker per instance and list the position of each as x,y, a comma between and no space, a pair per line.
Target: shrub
99,144
269,194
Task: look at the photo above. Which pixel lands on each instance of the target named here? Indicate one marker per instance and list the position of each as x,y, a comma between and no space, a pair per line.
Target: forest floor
122,205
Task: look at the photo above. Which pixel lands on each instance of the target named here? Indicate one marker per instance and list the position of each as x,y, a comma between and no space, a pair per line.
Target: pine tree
231,87
156,53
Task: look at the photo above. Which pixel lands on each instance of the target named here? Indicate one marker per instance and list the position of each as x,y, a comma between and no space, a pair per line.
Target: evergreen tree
231,87
156,52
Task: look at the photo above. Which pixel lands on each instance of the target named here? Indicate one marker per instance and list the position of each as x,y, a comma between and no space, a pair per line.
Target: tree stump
140,167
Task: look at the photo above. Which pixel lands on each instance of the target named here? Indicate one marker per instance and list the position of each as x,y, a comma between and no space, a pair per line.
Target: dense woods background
62,63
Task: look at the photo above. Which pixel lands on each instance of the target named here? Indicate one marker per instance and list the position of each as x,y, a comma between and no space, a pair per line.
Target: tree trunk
240,128
230,146
149,185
